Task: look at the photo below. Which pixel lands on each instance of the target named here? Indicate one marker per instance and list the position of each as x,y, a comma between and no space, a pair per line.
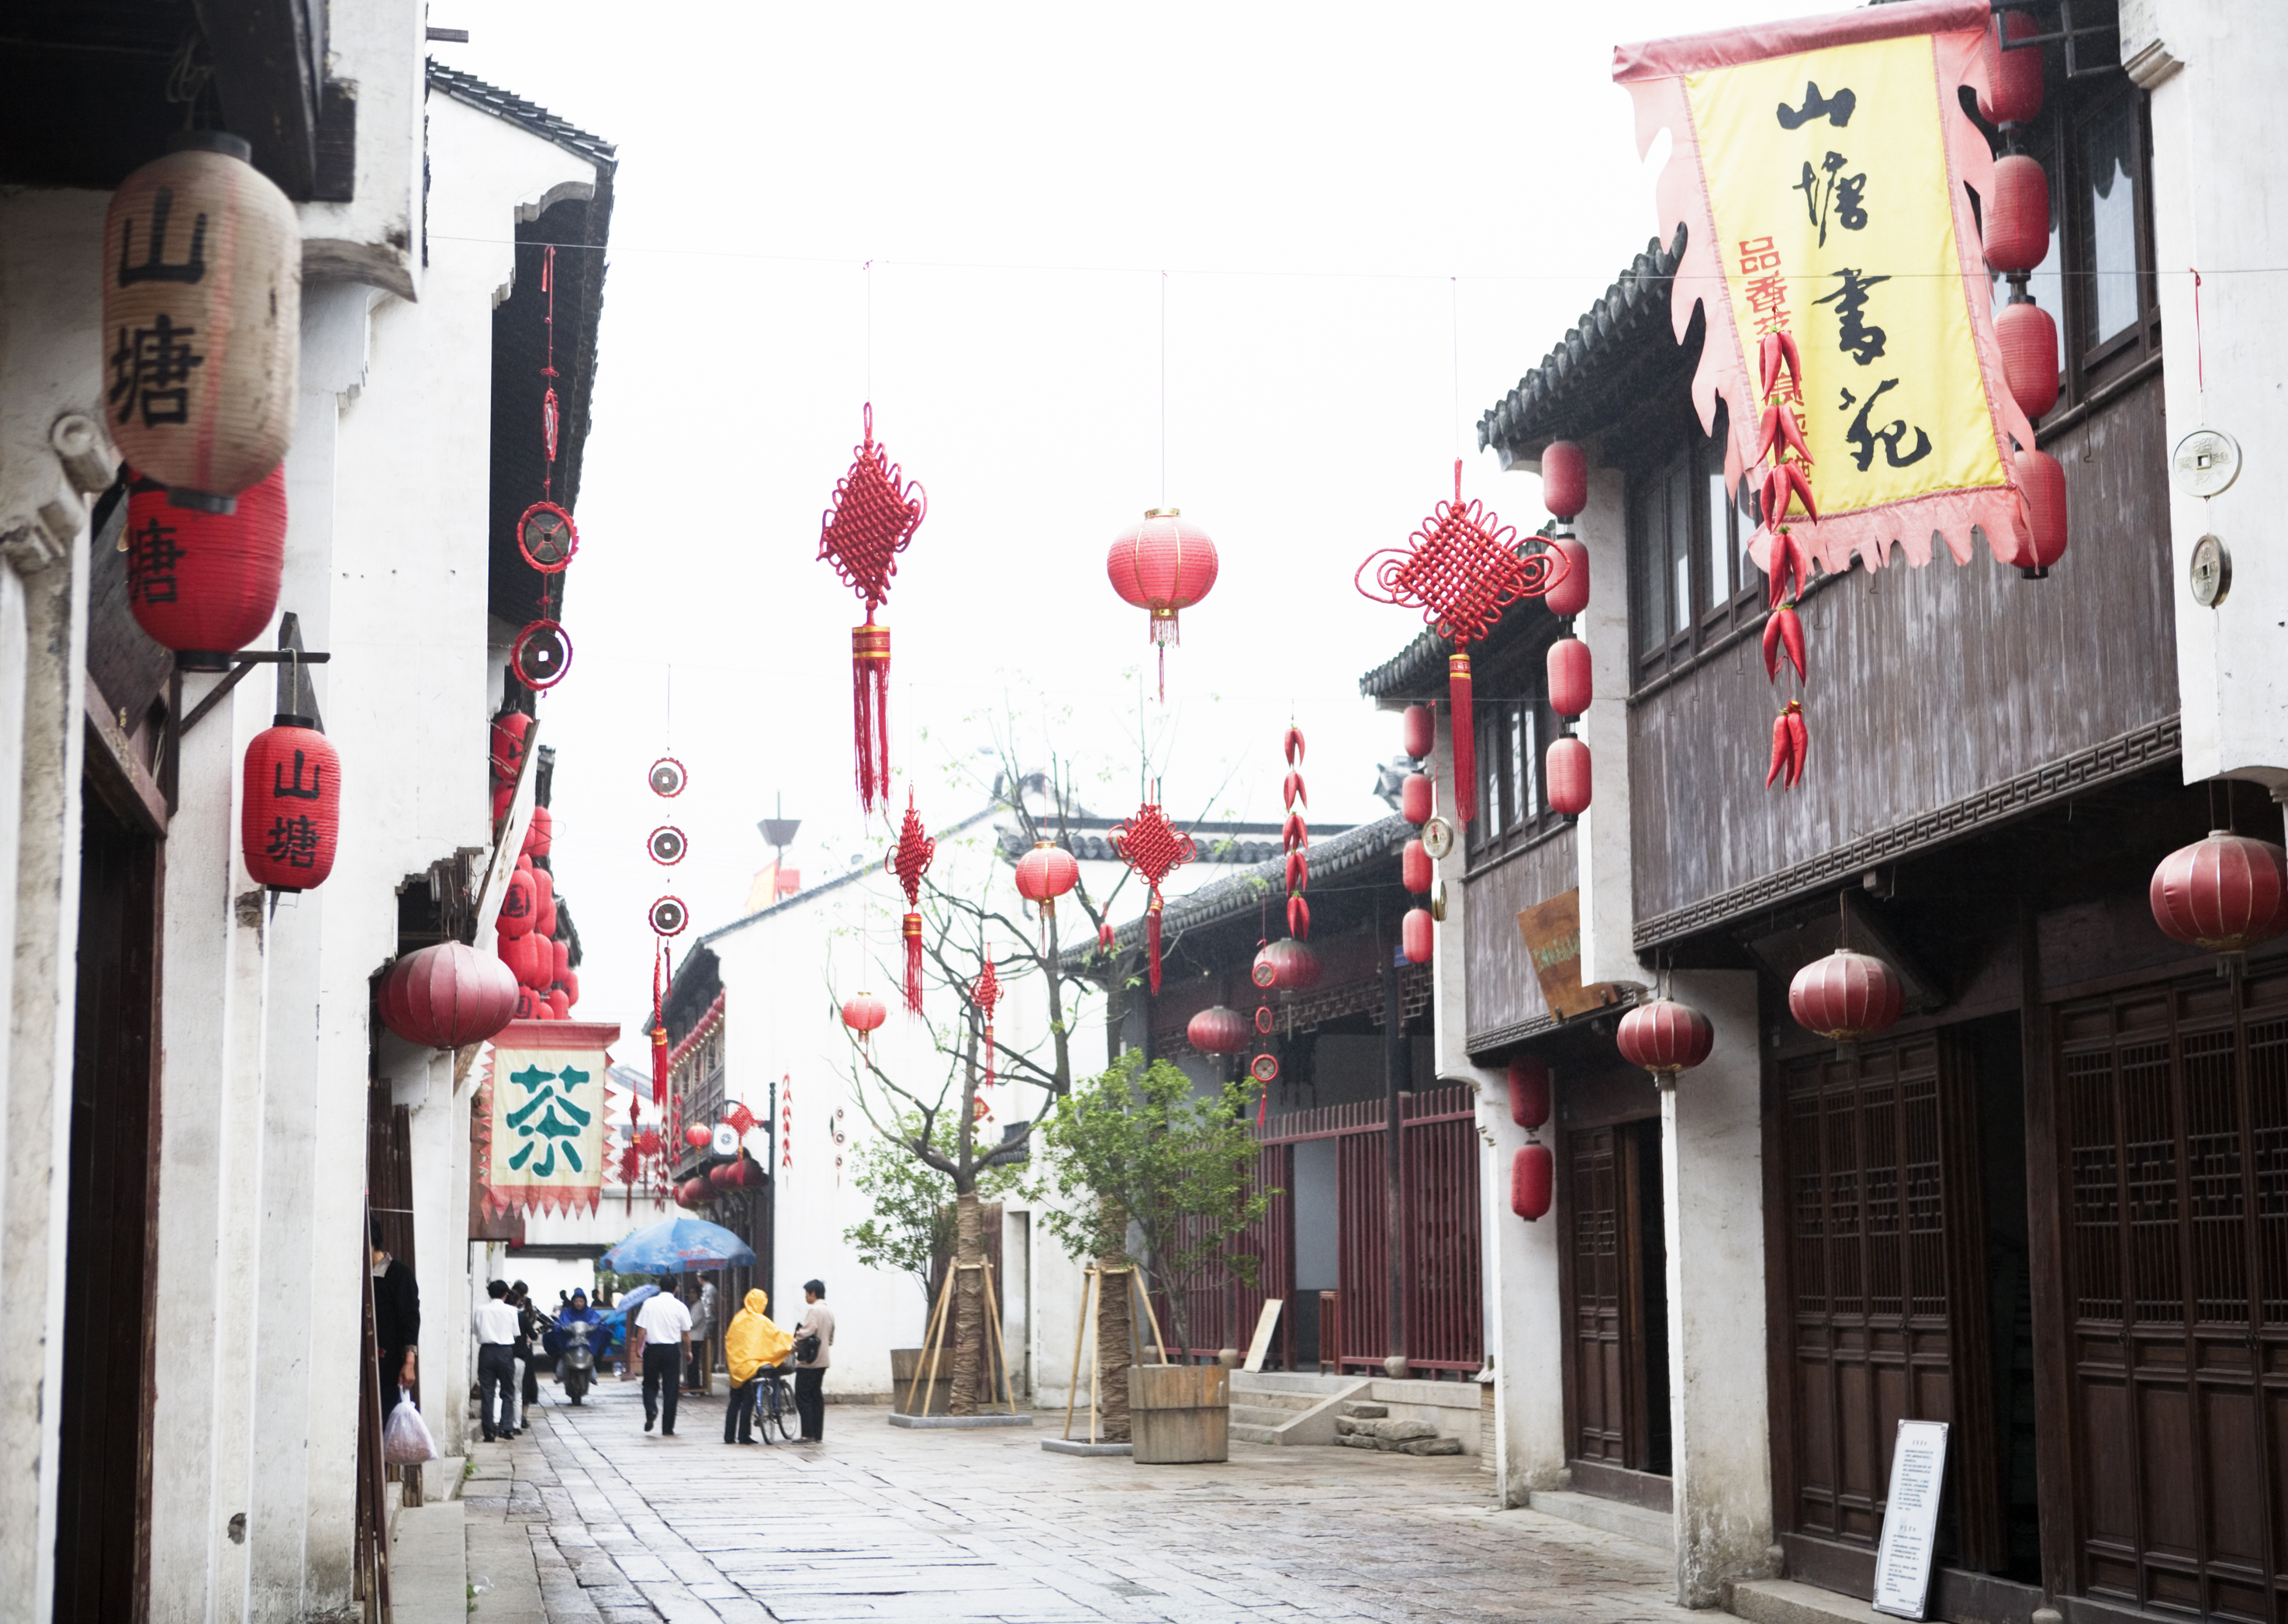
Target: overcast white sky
1327,188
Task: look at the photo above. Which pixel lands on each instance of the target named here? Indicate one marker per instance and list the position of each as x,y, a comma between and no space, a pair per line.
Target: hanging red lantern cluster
875,514
1846,996
1461,568
447,996
1565,491
1295,838
290,819
909,860
2225,893
1665,1037
1164,564
2016,223
1532,1169
200,582
1153,848
1044,874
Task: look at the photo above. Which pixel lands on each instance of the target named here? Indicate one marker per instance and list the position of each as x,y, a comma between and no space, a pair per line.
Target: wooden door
1885,1275
1616,1291
2174,1106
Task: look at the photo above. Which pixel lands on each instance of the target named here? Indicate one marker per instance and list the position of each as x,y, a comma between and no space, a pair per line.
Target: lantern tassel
1465,739
870,702
1152,938
912,932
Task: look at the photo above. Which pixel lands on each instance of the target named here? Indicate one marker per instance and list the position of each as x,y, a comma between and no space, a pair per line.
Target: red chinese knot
1148,844
909,862
873,517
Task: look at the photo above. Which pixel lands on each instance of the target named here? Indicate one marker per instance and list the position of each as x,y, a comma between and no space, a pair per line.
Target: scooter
576,1366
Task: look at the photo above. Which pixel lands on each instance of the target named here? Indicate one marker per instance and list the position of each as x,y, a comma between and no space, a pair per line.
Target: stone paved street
883,1523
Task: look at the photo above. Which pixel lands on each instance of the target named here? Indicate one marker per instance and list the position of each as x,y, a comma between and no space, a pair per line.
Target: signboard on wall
1552,930
1910,1547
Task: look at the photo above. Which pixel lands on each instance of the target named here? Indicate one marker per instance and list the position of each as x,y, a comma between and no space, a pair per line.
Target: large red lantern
1417,798
1163,565
864,1013
1567,777
1218,1031
1414,870
1665,1037
201,336
2225,893
293,806
447,996
1846,996
693,1193
202,583
2018,220
1570,683
1288,964
2014,78
699,1136
1564,479
1418,732
1528,1091
1044,874
510,731
1531,1179
1416,936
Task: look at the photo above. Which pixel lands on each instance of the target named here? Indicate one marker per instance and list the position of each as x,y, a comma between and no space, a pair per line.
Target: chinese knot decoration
1148,844
1780,445
985,993
1461,568
293,806
545,533
1295,838
909,862
872,520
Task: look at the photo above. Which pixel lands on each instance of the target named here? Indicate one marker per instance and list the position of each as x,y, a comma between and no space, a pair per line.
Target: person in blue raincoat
576,1321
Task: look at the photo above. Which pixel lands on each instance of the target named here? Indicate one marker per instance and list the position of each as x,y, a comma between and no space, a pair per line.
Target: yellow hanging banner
1822,171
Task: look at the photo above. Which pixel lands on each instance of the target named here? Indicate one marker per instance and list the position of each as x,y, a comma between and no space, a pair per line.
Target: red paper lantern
1163,565
543,902
2014,78
510,731
1570,685
693,1193
518,904
864,1013
1414,867
1846,996
1532,1179
2044,483
447,996
2028,341
293,806
531,1006
1665,1037
1416,936
1564,478
2225,893
2018,218
1286,964
1418,732
571,985
1218,1031
201,584
1569,595
1567,776
560,961
1417,798
540,836
699,1136
521,955
1528,1091
1044,874
558,1004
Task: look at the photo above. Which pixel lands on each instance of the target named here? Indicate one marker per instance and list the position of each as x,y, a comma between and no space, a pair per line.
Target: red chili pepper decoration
1791,743
1299,872
1298,919
1295,837
1294,745
1783,633
1291,791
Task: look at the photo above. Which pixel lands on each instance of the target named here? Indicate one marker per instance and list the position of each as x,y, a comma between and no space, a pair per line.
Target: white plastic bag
405,1440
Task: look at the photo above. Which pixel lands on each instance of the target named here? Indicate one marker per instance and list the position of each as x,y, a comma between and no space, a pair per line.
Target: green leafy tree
913,1222
1137,1145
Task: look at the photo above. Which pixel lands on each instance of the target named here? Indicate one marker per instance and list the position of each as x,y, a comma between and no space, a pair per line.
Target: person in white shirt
663,1337
494,1322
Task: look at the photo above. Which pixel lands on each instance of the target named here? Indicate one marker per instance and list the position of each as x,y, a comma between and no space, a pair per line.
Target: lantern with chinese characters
1529,1092
1531,1179
875,514
447,996
205,585
1846,996
1217,1031
202,319
863,1014
293,806
2226,893
1665,1037
1163,565
519,903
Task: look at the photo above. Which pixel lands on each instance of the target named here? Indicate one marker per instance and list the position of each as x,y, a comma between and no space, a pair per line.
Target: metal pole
1394,1077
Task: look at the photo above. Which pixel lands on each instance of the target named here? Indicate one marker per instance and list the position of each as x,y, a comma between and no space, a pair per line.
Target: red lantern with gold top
864,1013
1164,564
1846,996
292,810
1044,874
1665,1037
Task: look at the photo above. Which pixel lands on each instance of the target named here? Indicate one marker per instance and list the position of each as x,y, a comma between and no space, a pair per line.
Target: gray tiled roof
505,104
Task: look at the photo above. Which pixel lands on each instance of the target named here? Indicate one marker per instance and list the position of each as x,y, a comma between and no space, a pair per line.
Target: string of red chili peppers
1785,484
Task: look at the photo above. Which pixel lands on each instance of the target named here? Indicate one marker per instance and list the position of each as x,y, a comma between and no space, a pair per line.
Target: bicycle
774,1404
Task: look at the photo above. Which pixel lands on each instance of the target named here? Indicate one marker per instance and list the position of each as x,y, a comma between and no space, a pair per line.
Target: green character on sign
540,1122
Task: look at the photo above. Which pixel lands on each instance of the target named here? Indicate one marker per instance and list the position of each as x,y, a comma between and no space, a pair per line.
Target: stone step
1259,1416
1293,1404
1787,1601
1366,1411
1250,1432
1657,1528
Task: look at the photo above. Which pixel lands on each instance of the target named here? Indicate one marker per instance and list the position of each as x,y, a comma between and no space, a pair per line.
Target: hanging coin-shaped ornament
667,846
547,537
1264,1068
542,654
668,916
667,777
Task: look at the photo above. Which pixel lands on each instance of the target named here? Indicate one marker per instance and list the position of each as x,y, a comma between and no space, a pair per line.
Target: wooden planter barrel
1179,1413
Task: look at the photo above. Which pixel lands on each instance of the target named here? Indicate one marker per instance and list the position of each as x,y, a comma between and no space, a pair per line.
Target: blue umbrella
673,1245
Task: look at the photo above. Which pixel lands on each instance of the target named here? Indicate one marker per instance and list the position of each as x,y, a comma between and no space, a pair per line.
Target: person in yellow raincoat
751,1343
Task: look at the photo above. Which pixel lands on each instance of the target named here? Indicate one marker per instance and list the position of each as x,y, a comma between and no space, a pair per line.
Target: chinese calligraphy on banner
545,1117
1822,169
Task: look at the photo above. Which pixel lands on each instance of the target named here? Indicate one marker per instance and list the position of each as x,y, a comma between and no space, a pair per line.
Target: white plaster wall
1602,835
382,45
2215,68
1711,1154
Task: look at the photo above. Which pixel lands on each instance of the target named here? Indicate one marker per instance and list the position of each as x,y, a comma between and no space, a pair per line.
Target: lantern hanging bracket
246,663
